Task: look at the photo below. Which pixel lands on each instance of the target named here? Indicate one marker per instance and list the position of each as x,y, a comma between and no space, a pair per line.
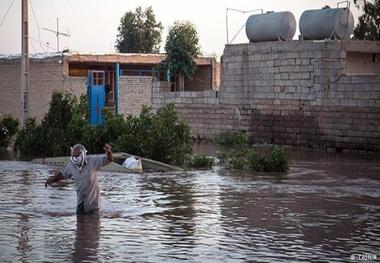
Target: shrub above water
199,161
249,159
8,128
161,136
235,138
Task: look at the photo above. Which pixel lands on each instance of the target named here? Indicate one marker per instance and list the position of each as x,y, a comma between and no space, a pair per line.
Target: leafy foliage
369,23
249,159
161,136
199,161
139,32
30,141
236,138
182,48
8,128
63,125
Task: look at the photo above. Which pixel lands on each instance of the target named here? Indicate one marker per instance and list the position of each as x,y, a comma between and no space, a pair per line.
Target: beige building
126,92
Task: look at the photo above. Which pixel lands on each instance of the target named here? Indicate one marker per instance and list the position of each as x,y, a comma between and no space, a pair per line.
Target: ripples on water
323,211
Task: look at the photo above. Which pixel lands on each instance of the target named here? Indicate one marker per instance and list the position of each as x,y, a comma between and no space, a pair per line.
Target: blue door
96,95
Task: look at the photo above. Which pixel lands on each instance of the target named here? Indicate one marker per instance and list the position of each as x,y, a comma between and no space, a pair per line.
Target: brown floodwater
326,208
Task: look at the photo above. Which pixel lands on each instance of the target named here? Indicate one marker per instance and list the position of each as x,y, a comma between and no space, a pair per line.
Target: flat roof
122,58
127,58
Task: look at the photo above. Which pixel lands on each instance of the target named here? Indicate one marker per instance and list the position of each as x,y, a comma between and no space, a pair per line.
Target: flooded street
327,208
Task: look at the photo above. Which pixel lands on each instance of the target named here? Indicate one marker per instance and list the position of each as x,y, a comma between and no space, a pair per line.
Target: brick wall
296,93
202,79
299,93
200,110
75,85
134,92
10,87
46,75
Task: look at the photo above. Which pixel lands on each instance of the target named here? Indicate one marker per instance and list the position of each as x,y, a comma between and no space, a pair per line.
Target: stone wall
134,92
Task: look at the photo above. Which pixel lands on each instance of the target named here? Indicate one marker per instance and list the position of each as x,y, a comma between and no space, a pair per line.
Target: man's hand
49,181
53,179
108,150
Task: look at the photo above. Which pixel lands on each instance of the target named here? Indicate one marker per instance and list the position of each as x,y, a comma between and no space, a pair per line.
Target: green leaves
182,48
61,127
199,161
8,128
369,23
248,159
161,136
235,138
139,32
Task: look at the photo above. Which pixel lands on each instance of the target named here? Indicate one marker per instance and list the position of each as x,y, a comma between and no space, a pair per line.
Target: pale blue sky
93,23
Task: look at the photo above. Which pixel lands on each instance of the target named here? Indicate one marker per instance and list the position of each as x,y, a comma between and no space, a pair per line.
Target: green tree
368,26
182,48
139,32
8,128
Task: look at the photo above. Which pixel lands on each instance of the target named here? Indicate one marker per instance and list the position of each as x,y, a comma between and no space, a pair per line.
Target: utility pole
24,63
57,33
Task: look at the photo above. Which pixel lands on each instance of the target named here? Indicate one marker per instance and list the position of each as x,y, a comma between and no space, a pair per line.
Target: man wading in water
82,169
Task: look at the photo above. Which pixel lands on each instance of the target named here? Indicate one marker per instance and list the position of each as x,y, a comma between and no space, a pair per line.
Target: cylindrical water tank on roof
326,23
271,27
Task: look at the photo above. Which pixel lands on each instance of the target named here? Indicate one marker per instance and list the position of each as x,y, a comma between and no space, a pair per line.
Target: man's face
76,152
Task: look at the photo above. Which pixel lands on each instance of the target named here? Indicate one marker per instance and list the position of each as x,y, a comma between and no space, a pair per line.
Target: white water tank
271,27
326,23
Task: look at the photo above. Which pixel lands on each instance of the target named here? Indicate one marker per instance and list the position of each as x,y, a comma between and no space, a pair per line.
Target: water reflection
87,236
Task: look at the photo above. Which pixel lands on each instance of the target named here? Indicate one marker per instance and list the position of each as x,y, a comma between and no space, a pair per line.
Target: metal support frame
240,11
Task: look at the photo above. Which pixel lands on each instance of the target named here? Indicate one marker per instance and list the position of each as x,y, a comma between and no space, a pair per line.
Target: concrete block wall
202,80
10,87
75,85
45,76
134,93
299,93
200,110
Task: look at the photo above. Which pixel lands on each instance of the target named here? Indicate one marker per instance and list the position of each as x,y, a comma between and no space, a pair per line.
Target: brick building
305,93
126,91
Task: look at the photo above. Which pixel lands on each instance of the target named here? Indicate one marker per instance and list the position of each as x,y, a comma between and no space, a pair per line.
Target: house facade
122,82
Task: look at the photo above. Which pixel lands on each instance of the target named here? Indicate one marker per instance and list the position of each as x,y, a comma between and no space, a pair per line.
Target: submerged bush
199,161
8,128
61,127
30,141
249,159
236,138
161,136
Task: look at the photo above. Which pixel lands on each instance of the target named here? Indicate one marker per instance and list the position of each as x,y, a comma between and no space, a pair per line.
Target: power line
38,26
6,13
41,43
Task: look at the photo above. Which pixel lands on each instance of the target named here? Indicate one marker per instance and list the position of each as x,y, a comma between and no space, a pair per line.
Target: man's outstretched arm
54,179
